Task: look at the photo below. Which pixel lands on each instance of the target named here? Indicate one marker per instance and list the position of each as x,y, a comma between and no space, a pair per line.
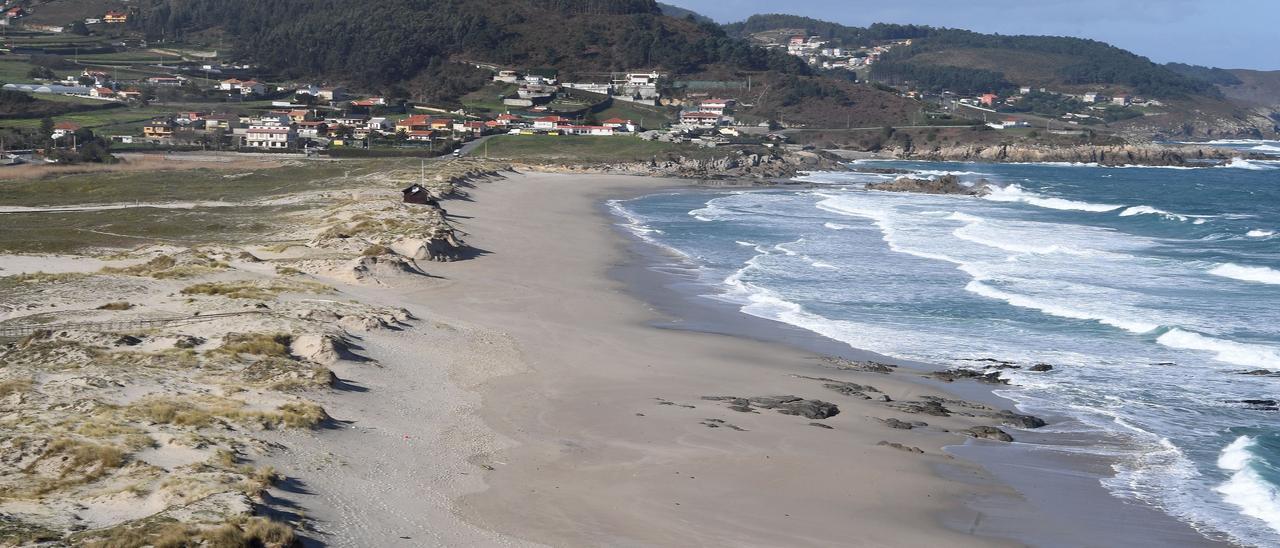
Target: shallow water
1148,289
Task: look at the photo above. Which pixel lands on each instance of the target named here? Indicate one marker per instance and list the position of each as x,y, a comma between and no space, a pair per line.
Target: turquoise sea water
1151,291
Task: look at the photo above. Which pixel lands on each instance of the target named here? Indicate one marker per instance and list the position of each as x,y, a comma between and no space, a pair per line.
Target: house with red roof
370,102
550,122
507,119
416,122
63,129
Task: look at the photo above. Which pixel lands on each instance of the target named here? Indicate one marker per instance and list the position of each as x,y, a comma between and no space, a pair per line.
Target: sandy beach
544,388
603,435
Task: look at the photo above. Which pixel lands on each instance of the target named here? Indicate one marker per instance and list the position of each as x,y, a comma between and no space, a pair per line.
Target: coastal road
470,147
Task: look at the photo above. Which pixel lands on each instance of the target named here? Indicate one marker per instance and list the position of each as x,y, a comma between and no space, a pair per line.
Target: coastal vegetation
562,148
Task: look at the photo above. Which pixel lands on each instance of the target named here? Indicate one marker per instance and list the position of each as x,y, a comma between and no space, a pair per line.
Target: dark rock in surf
1258,404
1018,420
989,433
946,184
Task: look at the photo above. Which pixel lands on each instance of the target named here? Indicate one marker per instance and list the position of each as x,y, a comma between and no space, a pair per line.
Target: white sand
563,367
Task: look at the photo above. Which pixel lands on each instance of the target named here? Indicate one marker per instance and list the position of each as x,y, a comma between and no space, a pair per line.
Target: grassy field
13,71
486,98
97,120
185,185
645,115
129,57
64,231
587,149
61,12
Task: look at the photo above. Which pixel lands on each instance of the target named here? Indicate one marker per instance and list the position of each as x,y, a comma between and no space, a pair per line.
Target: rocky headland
1112,155
740,165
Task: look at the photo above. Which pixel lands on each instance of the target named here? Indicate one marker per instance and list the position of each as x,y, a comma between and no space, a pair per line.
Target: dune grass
256,344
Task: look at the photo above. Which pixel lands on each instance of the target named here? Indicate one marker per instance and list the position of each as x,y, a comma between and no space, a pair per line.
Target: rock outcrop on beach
787,405
1114,155
988,432
946,184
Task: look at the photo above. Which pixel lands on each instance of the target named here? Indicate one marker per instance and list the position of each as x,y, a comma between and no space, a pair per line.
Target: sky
1220,33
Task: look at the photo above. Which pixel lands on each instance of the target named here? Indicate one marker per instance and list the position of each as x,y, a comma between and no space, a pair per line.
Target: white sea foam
637,226
1024,301
783,248
1246,488
943,172
1229,142
1238,353
1266,148
881,219
1259,274
1148,210
823,265
1015,193
973,232
1254,165
1259,233
837,226
963,217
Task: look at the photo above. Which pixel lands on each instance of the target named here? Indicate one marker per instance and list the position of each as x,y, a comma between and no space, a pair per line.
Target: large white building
270,136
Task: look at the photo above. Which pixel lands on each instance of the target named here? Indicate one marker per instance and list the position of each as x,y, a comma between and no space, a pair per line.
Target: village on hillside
99,84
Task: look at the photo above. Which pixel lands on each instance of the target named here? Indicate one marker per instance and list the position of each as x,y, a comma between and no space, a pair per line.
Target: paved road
468,148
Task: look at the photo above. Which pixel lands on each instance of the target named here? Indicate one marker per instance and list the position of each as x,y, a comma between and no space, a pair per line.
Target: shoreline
617,412
497,400
1063,489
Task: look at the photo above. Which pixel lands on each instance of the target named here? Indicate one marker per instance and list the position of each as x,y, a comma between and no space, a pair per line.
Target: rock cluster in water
946,184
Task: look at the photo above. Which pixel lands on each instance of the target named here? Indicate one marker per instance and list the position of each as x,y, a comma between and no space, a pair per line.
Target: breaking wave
1259,274
1247,488
1015,193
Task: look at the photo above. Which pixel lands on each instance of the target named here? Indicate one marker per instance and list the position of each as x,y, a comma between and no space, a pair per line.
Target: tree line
413,46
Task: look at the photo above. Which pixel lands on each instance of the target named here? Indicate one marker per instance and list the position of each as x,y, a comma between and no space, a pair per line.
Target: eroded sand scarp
136,387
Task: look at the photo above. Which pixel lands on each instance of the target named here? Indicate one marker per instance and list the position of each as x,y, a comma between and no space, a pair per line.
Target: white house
715,106
599,131
243,87
380,124
270,136
618,124
549,122
332,94
700,119
643,78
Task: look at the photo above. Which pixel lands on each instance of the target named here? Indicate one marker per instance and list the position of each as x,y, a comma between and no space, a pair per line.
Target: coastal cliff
1114,155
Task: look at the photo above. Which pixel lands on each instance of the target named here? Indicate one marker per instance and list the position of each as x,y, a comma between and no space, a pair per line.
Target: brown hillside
1025,68
1258,88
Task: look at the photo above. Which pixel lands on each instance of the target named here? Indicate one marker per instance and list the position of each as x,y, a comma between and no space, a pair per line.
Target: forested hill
972,62
842,35
410,43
